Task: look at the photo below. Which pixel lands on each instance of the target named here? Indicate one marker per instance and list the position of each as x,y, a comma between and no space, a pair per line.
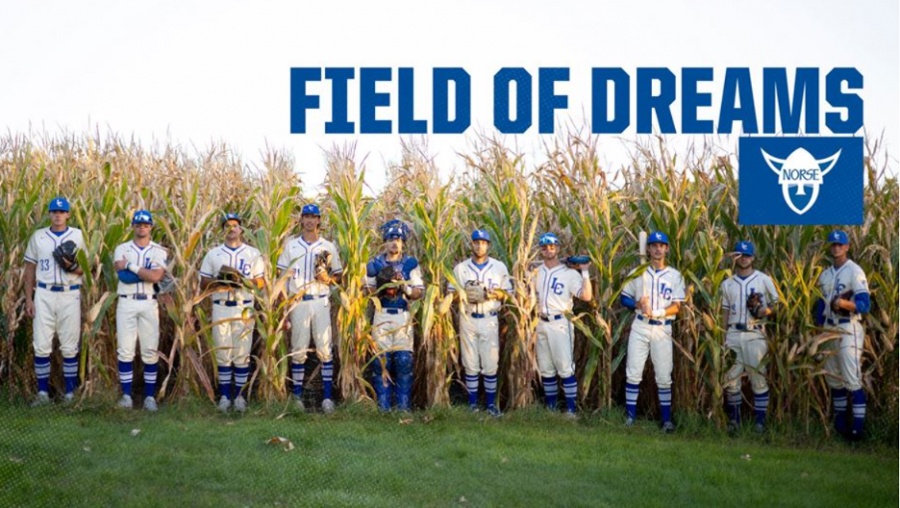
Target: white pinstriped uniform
232,339
663,287
478,324
844,366
311,316
749,345
555,335
55,312
137,320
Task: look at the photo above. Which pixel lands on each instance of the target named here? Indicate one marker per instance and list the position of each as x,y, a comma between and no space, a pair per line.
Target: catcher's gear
64,254
574,261
165,285
846,295
323,262
476,292
755,305
385,276
394,229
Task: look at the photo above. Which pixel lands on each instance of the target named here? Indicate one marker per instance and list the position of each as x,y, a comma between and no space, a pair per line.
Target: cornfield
595,210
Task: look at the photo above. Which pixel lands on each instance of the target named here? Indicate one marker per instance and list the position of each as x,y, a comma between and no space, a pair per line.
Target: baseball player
748,298
556,284
485,282
845,292
55,304
314,266
140,264
226,270
656,294
396,279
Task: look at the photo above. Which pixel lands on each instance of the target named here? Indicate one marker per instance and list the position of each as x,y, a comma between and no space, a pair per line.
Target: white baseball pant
555,348
137,320
749,348
653,340
479,344
56,312
843,366
232,339
392,332
311,319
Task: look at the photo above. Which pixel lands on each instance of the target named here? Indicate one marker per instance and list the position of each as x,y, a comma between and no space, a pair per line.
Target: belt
654,322
393,311
478,315
744,327
307,298
841,321
547,318
56,288
232,303
139,297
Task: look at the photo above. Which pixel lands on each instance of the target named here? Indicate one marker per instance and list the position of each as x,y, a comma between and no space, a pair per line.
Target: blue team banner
794,180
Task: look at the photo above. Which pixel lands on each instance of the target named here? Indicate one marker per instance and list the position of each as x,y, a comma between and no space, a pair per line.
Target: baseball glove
166,284
476,292
755,305
386,276
64,254
228,276
575,261
323,262
846,295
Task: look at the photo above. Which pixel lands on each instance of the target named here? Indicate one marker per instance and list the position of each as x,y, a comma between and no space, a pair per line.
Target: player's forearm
29,280
151,275
673,309
587,289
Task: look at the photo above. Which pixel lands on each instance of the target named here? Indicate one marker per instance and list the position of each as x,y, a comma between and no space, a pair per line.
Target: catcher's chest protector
406,265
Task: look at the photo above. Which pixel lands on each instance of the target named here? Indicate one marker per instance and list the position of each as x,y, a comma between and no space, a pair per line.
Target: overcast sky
196,72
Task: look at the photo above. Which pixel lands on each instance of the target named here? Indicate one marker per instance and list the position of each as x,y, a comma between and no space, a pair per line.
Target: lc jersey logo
793,180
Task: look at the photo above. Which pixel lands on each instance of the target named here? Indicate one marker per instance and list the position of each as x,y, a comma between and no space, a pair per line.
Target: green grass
190,455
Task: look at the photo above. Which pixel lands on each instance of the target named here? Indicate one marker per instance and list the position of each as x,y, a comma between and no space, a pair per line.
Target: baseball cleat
570,415
224,404
494,411
42,399
298,404
327,406
150,404
474,408
732,427
629,421
69,398
668,427
125,402
759,428
240,404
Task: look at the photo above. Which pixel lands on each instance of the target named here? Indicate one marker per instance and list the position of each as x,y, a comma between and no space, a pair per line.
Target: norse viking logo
800,170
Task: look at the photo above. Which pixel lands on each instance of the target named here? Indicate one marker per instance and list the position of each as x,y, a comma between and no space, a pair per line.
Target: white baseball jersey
492,273
152,257
300,257
735,291
244,258
40,252
555,288
663,287
836,281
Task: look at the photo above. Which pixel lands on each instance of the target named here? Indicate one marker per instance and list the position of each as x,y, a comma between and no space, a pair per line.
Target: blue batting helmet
548,239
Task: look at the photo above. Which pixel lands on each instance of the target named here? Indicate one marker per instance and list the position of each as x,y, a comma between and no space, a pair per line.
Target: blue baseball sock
665,404
472,388
734,406
150,379
760,406
327,378
490,390
126,375
42,371
70,373
241,374
225,381
859,410
298,370
839,399
570,388
550,389
631,398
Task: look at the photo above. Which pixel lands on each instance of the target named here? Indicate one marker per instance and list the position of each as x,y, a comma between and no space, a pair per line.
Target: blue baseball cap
394,229
839,237
59,204
142,217
480,234
231,216
548,239
311,209
745,249
657,237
